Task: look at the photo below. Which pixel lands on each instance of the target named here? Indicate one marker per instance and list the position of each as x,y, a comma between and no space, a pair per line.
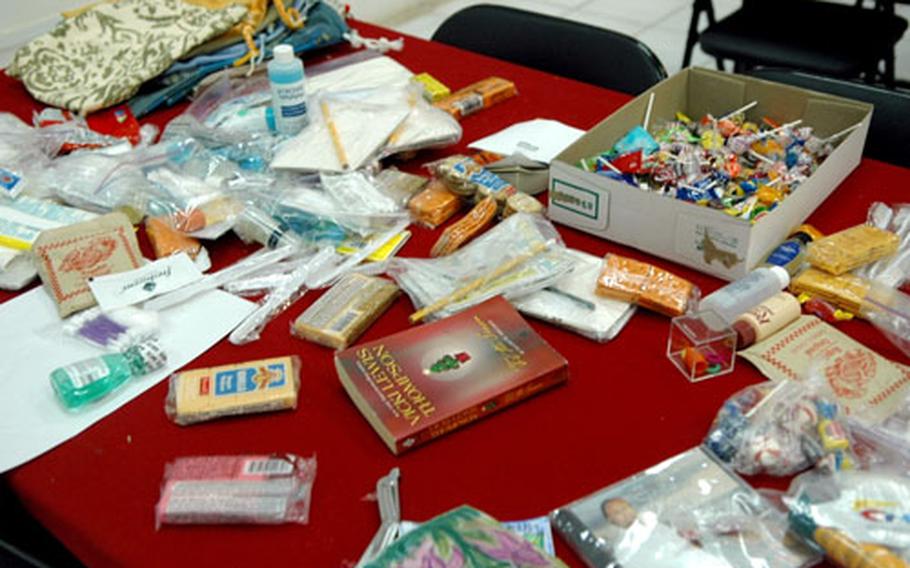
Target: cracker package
263,385
845,291
346,310
69,256
646,285
852,248
434,205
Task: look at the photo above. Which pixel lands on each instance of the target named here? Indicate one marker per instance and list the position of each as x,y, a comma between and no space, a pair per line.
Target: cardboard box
706,239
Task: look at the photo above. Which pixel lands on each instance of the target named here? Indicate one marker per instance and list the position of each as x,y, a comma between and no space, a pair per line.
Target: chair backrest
889,138
561,47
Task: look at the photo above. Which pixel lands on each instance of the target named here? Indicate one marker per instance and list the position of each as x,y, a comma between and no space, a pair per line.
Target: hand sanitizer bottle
92,379
740,296
288,91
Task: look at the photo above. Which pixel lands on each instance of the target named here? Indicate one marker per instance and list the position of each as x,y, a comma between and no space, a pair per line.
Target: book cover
423,382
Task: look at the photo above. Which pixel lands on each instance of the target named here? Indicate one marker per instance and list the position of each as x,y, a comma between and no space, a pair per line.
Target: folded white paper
167,274
539,139
32,344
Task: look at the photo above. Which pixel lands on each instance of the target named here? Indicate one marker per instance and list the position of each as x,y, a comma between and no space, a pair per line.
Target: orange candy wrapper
468,227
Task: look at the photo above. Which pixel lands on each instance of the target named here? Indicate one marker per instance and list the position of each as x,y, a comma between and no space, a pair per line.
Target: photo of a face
619,512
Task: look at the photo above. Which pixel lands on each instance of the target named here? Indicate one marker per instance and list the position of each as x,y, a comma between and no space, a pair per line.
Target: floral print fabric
102,57
463,538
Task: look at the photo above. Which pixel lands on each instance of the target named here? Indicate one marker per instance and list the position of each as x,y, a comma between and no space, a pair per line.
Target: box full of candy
708,169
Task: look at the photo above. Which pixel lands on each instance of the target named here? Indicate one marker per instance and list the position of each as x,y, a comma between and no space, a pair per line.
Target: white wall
384,11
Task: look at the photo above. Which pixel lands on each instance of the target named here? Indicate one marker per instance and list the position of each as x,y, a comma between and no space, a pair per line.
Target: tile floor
660,24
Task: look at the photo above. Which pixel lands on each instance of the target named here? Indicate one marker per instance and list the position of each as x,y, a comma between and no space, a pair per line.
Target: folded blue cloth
324,26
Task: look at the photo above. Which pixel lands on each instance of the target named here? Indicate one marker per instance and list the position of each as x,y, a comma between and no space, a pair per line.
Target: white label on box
578,205
134,286
716,246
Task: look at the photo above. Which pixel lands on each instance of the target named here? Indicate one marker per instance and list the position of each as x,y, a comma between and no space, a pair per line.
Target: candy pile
727,163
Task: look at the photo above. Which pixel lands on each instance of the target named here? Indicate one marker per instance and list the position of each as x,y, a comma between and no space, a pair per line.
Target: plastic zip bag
889,311
259,489
893,270
522,254
24,154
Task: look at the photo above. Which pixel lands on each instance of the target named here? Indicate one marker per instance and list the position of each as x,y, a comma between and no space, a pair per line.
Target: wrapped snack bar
646,285
845,291
852,248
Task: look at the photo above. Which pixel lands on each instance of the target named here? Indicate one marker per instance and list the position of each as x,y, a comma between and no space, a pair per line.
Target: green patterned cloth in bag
102,57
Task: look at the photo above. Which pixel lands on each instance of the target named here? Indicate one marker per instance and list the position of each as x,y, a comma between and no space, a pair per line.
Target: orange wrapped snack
480,95
434,205
468,227
166,241
646,285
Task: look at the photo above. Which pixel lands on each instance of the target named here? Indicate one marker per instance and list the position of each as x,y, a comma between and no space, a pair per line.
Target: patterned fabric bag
101,57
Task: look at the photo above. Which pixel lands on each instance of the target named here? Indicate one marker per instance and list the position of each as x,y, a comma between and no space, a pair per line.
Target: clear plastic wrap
282,297
348,131
425,127
892,270
345,311
248,265
192,205
257,489
114,330
400,186
256,226
782,430
522,254
644,284
251,387
686,512
572,304
858,518
389,517
24,154
889,311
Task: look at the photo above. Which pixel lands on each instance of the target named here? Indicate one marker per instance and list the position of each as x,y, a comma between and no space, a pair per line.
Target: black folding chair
827,38
888,139
561,47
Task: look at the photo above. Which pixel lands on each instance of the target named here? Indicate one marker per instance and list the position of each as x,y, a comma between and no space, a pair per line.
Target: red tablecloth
625,406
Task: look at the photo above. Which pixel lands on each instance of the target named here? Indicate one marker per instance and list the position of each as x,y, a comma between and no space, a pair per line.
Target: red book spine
483,409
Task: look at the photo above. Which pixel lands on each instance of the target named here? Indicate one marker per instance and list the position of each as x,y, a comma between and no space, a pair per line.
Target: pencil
336,138
477,283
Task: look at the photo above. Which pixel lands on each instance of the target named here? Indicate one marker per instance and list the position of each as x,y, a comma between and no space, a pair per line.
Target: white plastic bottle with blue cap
288,91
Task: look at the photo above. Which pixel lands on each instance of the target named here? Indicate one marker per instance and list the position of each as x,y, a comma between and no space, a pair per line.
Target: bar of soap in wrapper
646,285
346,310
263,385
434,205
68,256
852,248
845,291
522,203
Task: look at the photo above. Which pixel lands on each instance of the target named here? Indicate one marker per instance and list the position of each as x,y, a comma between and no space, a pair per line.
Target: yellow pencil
336,138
